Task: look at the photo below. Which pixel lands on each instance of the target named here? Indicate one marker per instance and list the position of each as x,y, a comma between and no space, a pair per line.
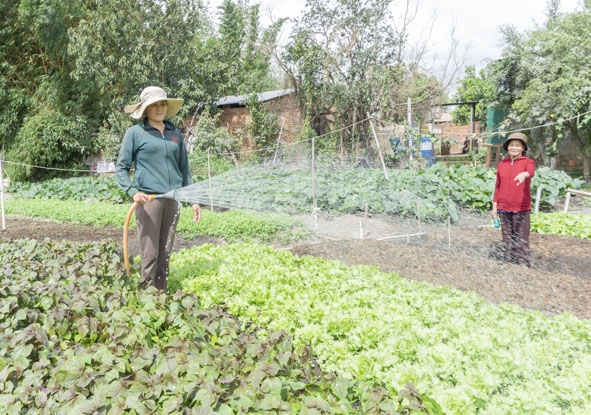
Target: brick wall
290,115
457,133
287,108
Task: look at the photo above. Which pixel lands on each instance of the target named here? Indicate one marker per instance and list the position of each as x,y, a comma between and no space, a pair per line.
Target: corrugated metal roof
262,97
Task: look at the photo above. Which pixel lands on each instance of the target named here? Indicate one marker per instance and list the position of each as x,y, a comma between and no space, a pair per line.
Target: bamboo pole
379,150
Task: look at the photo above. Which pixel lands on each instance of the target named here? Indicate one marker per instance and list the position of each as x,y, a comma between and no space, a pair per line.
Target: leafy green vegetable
566,224
78,337
471,356
95,188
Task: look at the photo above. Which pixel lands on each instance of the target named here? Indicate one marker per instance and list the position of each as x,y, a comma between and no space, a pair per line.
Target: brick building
236,115
458,136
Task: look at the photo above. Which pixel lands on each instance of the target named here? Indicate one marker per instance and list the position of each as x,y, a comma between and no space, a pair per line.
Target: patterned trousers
515,227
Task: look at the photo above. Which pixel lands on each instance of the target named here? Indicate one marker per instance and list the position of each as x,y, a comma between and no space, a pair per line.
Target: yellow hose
125,234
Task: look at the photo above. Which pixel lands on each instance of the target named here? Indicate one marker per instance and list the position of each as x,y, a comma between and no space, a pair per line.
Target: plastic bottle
496,223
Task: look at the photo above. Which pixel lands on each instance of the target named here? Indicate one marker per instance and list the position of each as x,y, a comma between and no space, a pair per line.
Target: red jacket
508,195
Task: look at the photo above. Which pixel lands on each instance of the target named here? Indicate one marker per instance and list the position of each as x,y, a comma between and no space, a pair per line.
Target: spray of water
232,190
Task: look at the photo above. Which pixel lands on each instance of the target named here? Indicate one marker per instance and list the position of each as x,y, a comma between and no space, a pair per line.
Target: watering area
256,188
465,254
232,191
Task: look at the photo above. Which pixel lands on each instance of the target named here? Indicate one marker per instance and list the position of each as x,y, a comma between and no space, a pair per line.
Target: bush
47,143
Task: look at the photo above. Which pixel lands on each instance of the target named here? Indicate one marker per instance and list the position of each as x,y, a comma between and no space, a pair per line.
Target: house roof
262,97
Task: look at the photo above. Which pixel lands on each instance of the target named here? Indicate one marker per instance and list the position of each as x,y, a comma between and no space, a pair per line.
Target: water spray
202,193
192,194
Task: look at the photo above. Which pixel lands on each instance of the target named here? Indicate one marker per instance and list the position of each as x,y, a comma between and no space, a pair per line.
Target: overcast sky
476,22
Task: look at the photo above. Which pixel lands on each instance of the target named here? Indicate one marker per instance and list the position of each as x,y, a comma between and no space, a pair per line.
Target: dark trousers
515,227
156,224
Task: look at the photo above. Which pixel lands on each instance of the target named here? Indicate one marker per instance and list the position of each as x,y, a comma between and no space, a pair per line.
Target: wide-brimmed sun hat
516,136
150,95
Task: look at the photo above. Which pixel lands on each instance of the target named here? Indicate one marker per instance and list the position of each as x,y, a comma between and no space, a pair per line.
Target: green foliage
53,126
79,337
473,88
162,39
347,59
553,184
97,188
560,79
77,62
203,166
264,128
50,140
212,149
434,194
544,79
14,104
566,224
237,225
86,212
240,53
33,67
205,135
470,355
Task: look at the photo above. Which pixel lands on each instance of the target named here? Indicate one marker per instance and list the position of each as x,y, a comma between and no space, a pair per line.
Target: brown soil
462,255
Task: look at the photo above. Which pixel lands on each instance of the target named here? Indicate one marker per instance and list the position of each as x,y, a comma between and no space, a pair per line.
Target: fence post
538,196
567,202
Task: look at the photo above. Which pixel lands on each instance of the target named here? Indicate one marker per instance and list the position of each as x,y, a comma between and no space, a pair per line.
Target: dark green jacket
159,160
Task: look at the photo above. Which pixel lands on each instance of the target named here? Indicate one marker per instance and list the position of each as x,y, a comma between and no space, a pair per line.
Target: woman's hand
494,212
520,178
197,211
141,198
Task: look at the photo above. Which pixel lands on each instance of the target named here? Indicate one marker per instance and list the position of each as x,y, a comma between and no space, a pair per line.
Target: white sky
476,22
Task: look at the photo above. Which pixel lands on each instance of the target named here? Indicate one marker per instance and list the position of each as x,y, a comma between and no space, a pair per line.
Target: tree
83,60
121,46
473,88
36,74
347,58
509,74
237,60
243,64
558,59
17,74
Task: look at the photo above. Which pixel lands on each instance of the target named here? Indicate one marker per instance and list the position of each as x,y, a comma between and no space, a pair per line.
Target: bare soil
462,255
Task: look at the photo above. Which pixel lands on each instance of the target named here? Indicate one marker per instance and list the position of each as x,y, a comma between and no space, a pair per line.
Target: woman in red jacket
512,199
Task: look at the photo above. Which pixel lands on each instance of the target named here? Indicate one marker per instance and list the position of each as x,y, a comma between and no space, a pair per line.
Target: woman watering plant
512,199
156,150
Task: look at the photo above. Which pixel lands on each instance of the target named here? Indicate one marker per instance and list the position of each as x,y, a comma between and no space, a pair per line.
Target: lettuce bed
470,356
